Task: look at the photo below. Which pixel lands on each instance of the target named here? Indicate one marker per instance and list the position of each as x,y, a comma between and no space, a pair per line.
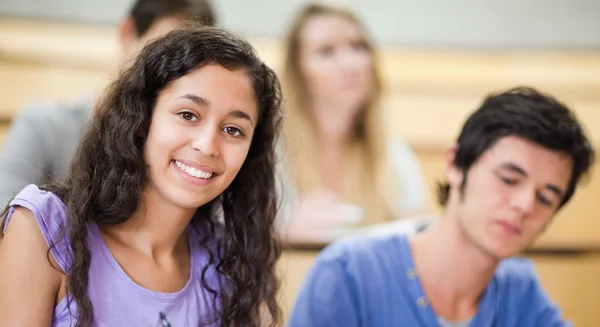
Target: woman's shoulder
45,205
403,159
33,192
51,217
398,150
406,166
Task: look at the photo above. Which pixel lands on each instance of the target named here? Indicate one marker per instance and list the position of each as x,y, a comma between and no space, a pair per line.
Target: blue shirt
371,282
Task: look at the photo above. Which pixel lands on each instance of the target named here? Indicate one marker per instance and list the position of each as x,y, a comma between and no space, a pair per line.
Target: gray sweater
39,145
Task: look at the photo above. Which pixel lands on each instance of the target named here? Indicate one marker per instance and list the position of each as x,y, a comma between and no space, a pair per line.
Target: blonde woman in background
342,168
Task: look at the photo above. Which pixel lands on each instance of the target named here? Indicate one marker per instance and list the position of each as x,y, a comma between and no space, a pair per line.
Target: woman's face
336,64
200,135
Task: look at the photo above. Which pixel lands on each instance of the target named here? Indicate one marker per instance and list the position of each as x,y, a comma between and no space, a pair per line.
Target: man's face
511,194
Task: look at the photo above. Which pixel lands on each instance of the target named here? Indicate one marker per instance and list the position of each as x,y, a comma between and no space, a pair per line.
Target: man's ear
127,35
453,174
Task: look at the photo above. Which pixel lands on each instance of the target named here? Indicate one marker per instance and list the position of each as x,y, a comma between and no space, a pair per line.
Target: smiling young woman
169,205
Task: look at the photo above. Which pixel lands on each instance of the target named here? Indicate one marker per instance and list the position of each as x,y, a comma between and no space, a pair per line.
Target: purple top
118,300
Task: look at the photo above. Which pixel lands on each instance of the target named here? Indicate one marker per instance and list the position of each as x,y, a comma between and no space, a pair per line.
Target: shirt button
411,274
422,302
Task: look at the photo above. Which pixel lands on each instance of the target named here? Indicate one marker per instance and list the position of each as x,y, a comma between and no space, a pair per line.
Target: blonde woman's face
335,62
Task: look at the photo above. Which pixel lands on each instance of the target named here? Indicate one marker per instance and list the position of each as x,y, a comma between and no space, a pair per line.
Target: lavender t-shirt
117,299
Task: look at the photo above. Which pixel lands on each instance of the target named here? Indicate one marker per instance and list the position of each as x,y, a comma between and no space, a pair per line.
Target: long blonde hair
367,176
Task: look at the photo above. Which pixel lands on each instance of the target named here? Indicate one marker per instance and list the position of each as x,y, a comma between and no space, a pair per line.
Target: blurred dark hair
108,173
526,113
147,12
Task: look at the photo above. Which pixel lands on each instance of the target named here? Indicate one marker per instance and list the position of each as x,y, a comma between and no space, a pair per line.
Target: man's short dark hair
147,12
529,114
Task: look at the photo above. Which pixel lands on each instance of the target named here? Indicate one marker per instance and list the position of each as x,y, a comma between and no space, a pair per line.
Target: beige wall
454,23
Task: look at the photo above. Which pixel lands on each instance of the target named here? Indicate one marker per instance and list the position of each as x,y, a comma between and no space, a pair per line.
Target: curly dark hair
532,115
108,173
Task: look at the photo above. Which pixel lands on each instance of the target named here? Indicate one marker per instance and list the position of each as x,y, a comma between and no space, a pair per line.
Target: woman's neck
333,124
332,165
156,228
335,133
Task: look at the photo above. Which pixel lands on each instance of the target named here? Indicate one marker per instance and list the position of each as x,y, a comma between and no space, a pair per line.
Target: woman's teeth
193,171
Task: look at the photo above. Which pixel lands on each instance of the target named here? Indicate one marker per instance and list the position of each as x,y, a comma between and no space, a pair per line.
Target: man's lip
509,227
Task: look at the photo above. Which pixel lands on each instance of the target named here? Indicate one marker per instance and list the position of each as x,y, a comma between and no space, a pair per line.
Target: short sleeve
50,214
327,298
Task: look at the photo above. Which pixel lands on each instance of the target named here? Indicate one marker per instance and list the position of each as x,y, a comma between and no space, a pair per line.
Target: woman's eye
186,115
326,51
233,131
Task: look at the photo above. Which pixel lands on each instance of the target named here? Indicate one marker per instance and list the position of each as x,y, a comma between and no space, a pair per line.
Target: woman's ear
140,136
142,132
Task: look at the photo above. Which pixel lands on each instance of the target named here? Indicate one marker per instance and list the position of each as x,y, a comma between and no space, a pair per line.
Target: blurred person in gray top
42,138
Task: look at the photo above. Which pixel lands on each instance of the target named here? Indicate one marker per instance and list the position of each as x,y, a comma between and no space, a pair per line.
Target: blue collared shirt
371,282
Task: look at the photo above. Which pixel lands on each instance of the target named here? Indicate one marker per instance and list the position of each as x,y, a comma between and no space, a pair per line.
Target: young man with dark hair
40,141
517,161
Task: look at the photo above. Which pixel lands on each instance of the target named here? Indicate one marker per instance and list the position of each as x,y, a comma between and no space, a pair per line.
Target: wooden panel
58,43
293,267
567,73
3,130
572,281
25,83
434,120
463,72
408,114
421,84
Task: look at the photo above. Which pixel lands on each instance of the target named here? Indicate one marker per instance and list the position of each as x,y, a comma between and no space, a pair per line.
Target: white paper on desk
407,226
